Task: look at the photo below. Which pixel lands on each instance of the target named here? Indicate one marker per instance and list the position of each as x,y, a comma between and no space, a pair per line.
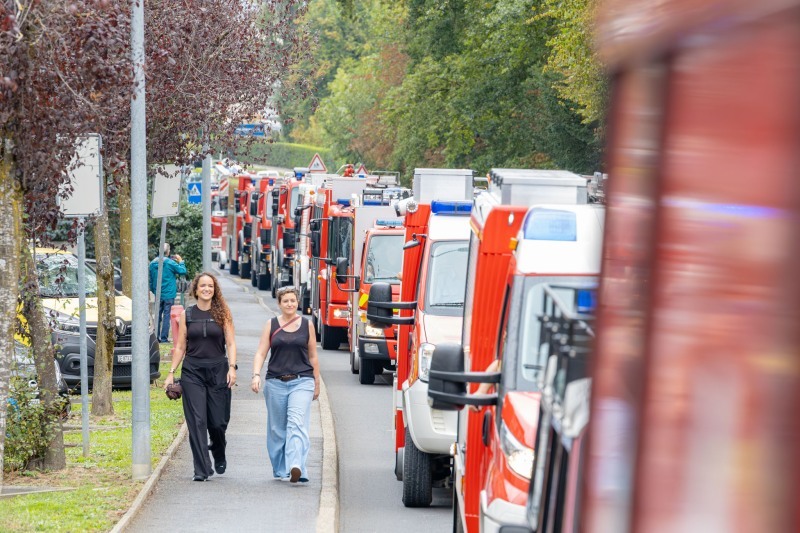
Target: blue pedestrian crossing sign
194,190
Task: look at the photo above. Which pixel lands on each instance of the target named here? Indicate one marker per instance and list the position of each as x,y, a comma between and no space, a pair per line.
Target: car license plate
124,358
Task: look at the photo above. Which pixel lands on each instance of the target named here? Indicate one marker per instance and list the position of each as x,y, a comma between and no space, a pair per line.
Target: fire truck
331,237
261,229
286,196
240,226
430,312
515,249
219,222
303,273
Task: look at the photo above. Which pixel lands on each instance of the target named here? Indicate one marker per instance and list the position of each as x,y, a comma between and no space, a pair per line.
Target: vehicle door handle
487,427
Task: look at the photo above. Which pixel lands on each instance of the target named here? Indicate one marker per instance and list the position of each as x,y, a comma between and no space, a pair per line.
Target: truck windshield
447,278
340,237
384,259
532,355
296,199
58,276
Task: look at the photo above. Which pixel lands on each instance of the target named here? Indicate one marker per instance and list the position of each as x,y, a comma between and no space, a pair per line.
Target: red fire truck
331,237
432,298
261,231
240,226
515,250
219,222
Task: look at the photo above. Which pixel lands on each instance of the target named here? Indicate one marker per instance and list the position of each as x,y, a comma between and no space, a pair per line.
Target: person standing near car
205,342
291,384
173,267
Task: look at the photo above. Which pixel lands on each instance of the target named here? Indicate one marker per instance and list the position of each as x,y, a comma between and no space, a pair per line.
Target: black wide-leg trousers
207,409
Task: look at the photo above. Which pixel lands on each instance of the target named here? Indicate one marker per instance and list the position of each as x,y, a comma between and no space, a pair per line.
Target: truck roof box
444,184
517,186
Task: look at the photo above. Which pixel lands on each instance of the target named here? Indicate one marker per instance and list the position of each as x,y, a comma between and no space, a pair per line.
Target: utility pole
140,364
206,203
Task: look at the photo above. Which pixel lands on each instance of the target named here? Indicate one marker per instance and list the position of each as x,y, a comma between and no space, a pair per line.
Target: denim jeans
288,413
162,329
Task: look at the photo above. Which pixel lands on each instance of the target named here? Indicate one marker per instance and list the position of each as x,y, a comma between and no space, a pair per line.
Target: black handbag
174,390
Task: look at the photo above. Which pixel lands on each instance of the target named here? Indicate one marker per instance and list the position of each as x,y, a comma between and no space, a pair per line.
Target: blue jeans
162,329
288,412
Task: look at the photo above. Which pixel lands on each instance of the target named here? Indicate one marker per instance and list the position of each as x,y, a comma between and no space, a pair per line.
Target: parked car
58,289
92,263
25,367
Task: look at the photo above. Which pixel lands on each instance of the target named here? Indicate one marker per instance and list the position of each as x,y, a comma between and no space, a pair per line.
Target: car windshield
533,354
447,278
58,276
384,259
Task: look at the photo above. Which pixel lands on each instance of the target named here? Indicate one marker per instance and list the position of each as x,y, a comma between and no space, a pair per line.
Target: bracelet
256,375
171,371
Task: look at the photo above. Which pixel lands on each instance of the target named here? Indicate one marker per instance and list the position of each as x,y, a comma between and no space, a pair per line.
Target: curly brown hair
220,311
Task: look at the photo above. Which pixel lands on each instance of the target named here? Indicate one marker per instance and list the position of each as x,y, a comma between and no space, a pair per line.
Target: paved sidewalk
246,497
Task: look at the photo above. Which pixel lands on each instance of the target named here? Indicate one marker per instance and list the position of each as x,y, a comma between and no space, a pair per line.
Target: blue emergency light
451,208
271,181
390,222
372,202
343,202
585,301
550,225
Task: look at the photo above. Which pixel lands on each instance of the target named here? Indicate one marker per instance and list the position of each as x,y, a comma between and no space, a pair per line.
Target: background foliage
285,155
184,235
452,83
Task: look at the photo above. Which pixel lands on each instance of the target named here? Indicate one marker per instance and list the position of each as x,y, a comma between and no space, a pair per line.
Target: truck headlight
370,331
425,354
362,315
518,456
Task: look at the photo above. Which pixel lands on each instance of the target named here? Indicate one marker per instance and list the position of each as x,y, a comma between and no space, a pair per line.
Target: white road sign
316,164
166,195
86,179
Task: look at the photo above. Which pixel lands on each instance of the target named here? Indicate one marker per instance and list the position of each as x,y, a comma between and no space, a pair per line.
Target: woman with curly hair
206,338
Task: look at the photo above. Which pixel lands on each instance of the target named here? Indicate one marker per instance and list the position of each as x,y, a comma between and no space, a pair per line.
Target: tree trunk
10,237
125,244
106,320
44,356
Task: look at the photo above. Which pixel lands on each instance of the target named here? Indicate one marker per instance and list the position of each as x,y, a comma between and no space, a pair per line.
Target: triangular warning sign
194,189
362,170
317,165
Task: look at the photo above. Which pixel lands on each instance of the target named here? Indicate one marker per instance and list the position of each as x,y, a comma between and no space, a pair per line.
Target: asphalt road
369,494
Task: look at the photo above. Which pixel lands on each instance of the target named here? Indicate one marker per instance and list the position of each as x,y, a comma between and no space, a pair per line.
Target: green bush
30,428
284,155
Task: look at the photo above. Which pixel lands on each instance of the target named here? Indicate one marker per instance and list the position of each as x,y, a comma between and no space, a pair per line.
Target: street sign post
194,190
85,178
166,203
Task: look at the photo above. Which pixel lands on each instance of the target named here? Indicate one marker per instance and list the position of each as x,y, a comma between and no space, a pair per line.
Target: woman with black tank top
291,384
206,337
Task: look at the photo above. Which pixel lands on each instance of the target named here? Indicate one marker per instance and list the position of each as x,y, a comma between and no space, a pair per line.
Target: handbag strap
272,336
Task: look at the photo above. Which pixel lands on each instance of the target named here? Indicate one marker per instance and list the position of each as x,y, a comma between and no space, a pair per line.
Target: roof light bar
451,208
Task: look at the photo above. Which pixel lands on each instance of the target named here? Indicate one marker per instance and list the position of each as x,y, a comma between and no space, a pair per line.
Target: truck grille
123,341
124,371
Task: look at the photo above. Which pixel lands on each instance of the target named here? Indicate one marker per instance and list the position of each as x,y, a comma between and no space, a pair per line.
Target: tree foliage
459,83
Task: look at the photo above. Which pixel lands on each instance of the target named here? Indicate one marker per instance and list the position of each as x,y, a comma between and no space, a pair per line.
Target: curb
150,483
328,513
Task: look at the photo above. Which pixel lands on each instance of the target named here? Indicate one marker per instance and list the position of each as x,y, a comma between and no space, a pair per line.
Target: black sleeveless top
289,351
205,339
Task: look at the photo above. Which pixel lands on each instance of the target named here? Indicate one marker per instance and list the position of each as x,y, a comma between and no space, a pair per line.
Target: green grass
103,488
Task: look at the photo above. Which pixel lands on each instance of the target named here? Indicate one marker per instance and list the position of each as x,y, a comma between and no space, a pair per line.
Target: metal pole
157,304
206,192
140,364
82,332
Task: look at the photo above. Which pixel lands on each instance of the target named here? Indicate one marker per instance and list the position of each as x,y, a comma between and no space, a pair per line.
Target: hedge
284,155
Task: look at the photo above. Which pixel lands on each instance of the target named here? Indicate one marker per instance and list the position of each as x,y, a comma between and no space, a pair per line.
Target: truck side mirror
341,269
275,201
236,204
447,357
313,225
380,292
314,239
298,211
254,205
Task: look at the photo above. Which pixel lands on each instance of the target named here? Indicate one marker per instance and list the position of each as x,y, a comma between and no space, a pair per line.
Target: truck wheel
417,482
316,326
264,281
330,337
244,270
305,301
274,287
366,371
353,363
253,276
234,267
